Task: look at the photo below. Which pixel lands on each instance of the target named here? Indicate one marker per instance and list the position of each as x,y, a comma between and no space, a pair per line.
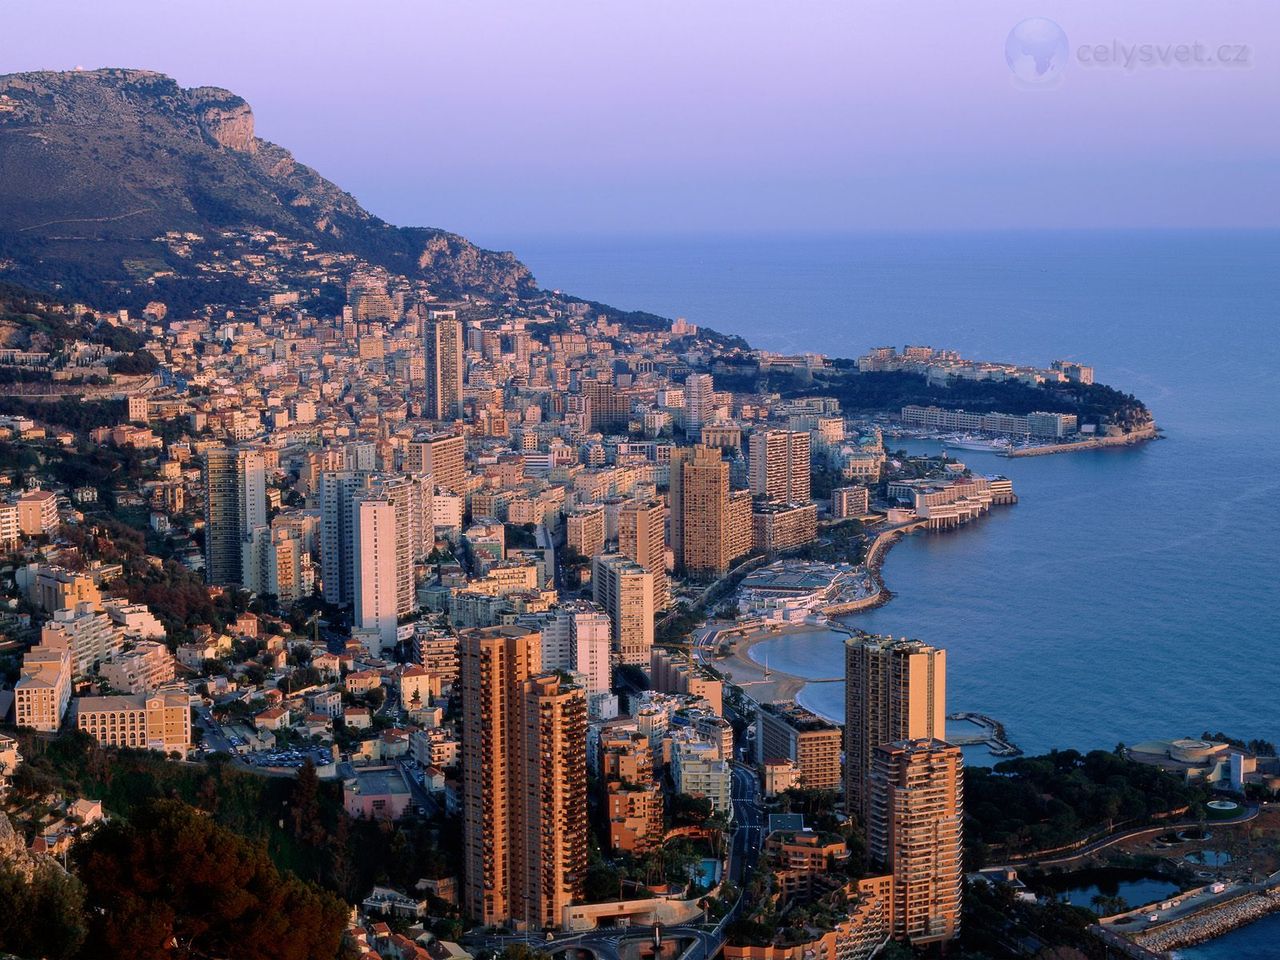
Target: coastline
1213,922
743,671
746,673
1145,435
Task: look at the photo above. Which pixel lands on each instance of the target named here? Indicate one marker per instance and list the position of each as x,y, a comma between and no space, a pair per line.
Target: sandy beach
742,671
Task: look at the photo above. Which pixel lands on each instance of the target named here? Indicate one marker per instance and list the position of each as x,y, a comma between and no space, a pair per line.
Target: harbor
1025,446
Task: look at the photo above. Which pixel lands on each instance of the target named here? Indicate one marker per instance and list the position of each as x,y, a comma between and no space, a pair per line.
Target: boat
981,444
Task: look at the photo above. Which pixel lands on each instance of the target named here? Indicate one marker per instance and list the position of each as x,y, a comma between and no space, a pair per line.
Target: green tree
173,885
43,917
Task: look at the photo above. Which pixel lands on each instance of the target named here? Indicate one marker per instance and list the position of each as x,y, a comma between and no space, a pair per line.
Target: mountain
96,166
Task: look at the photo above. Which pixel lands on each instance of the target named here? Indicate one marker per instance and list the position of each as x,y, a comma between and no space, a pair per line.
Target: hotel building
161,721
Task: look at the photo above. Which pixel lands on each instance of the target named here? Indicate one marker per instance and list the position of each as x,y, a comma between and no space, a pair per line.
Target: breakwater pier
1210,922
1141,435
990,732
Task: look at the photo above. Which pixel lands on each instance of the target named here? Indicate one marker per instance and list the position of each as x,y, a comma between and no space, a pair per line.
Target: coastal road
1103,842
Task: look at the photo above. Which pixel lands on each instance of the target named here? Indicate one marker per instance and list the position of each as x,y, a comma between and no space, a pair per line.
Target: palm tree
1105,906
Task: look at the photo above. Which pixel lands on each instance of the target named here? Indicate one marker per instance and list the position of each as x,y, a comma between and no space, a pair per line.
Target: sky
509,118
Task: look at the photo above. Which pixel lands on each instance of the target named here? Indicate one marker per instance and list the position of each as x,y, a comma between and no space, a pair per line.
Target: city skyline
874,595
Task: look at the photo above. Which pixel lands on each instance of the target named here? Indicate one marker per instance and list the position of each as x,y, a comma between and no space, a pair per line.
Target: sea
1131,594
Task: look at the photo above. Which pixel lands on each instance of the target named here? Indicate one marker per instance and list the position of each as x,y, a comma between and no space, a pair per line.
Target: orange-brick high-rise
894,690
524,774
915,832
642,536
553,853
707,534
779,465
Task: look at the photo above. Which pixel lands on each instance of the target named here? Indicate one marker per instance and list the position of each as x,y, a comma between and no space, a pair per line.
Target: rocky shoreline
1141,435
1212,923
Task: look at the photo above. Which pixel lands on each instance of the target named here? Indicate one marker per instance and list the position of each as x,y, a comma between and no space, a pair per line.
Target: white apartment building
145,668
625,590
88,633
698,770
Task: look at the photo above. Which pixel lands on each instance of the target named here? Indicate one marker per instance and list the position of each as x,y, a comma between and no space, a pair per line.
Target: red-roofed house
273,718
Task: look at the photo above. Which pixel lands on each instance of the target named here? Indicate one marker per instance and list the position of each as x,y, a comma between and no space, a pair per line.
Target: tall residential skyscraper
442,353
443,455
608,407
625,590
701,531
699,402
337,492
779,465
576,635
894,690
554,825
493,665
235,481
524,774
373,528
384,566
642,536
916,832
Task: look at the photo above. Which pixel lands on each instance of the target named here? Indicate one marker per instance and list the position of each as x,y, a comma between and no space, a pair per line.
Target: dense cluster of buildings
939,366
482,512
1038,424
91,639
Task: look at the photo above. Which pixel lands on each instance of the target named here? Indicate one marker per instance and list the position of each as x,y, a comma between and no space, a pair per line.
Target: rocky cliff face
225,118
95,165
14,853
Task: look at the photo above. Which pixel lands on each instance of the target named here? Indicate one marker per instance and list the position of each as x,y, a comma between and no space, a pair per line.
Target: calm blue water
1258,941
1131,594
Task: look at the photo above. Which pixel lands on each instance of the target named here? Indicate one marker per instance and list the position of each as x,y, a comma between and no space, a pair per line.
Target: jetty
991,733
1141,435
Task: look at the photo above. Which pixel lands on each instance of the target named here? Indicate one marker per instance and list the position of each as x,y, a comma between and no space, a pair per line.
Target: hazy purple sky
499,119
